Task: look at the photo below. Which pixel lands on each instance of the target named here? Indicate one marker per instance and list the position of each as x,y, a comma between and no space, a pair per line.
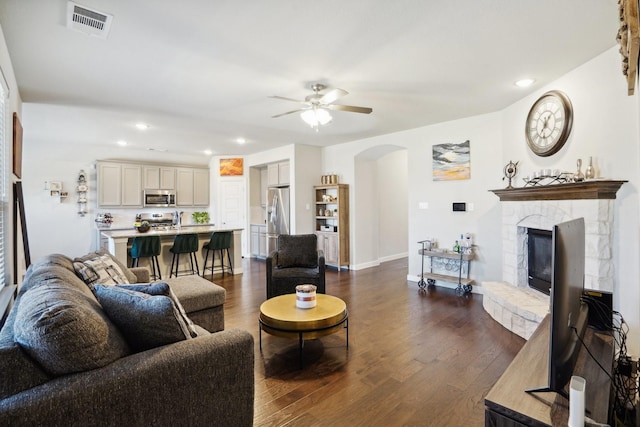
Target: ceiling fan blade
287,99
350,108
288,112
332,96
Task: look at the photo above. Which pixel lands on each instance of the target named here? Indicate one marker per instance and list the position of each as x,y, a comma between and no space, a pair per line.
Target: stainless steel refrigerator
277,215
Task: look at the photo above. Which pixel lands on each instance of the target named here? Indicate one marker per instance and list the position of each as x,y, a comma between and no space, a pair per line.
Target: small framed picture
55,186
55,193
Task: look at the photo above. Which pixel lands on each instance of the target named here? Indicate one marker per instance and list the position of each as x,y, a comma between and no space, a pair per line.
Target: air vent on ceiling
88,21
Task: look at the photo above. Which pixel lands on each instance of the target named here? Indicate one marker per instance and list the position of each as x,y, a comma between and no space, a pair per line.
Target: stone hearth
511,302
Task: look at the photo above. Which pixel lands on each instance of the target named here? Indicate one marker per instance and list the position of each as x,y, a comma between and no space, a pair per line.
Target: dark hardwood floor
415,358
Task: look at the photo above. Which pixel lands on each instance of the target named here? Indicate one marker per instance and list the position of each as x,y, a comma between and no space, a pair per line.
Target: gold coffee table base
279,316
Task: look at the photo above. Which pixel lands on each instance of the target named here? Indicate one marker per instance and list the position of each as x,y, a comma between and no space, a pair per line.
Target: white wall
364,215
438,221
306,172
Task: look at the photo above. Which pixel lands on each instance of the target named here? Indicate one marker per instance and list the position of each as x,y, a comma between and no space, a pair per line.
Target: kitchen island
118,243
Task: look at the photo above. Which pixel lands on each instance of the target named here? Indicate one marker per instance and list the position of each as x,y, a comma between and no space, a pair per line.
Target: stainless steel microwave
159,198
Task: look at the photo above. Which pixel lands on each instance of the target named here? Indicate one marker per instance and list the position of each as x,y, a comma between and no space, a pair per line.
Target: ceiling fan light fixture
316,116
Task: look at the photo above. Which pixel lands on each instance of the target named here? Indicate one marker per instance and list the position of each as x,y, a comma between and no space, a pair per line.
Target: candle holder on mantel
510,171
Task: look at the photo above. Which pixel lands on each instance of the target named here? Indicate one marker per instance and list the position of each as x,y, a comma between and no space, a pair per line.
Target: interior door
232,206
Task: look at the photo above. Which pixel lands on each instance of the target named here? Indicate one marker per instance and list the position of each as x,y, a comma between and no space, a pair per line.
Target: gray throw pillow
66,331
163,288
100,269
131,277
146,321
297,251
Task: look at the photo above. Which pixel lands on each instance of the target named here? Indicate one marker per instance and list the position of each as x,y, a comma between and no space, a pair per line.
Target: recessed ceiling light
142,126
525,82
122,143
241,140
208,152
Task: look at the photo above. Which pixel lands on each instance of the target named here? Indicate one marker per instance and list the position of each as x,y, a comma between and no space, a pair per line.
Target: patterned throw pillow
146,321
100,269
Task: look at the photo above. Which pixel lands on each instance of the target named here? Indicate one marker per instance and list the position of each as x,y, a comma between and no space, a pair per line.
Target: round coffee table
279,316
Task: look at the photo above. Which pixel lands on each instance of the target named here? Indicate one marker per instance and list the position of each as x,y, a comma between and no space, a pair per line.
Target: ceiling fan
314,109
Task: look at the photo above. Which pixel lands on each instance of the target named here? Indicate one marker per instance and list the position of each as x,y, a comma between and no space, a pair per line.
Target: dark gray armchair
296,261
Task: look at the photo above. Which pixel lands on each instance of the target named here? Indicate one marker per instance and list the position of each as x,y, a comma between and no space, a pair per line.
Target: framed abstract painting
452,162
231,167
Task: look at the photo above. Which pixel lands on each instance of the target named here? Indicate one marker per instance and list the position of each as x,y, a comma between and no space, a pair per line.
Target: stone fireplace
511,302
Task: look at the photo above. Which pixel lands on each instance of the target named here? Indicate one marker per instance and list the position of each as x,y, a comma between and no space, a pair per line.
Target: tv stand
547,390
508,404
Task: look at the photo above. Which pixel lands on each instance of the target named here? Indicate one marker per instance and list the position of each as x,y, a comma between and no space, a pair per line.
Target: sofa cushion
131,277
297,250
100,269
65,330
39,275
145,320
196,293
162,288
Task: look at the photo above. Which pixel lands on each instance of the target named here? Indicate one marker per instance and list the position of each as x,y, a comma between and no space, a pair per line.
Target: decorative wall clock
549,123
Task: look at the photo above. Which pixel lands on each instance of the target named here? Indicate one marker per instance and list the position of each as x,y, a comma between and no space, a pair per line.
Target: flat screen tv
568,311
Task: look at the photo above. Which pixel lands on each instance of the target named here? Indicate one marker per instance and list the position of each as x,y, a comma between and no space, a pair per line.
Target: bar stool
184,244
147,247
220,241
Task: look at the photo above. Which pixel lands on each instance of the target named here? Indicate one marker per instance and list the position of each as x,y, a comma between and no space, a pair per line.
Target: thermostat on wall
459,207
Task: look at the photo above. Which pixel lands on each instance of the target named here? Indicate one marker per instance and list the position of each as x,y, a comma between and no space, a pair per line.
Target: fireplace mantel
597,189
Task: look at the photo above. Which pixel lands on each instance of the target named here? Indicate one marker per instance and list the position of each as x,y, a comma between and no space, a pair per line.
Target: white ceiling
200,72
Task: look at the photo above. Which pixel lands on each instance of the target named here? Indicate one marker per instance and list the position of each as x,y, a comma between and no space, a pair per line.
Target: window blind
4,204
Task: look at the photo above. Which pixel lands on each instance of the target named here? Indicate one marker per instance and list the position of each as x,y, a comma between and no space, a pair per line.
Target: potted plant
200,217
142,227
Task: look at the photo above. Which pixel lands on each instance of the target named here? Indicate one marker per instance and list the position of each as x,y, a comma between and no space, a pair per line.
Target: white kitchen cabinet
258,241
278,173
192,187
119,184
131,185
255,241
283,173
184,186
201,187
122,184
263,241
159,177
109,184
272,174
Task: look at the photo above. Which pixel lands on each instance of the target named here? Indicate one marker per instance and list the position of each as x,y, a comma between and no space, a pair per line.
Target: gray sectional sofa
65,361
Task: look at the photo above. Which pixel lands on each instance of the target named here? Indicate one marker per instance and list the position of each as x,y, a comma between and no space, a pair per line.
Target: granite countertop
195,228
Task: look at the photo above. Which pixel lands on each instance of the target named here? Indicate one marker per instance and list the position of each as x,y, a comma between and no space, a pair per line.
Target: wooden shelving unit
332,223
